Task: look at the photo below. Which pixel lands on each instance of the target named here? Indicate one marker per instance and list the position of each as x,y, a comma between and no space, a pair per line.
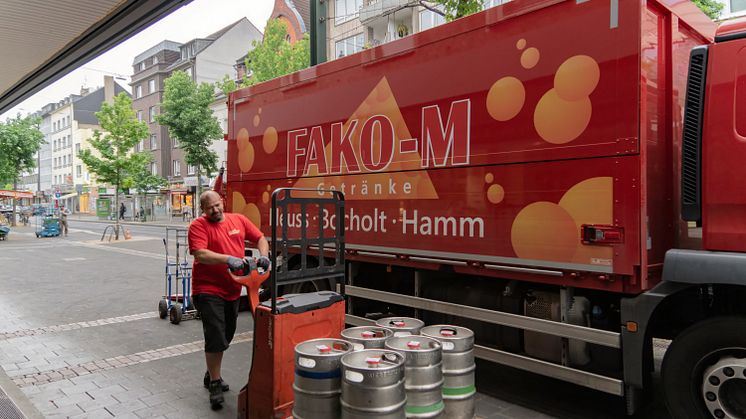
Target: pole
318,31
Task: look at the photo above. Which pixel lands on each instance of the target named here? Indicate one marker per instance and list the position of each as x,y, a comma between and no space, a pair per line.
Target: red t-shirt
226,237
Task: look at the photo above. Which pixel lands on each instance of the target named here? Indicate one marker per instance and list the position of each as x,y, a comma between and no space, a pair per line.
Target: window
64,160
176,171
189,72
68,120
151,86
175,142
151,113
429,19
142,66
737,6
191,169
138,91
70,161
78,171
183,53
139,116
155,60
141,145
349,45
77,149
153,168
345,10
153,142
69,140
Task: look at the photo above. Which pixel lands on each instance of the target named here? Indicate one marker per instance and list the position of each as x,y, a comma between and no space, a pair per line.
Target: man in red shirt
216,240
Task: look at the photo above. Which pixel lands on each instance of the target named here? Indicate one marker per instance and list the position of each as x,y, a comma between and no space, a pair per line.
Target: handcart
173,304
47,225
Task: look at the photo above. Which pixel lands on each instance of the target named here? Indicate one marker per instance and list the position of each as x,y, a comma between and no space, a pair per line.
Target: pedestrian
215,240
122,210
64,212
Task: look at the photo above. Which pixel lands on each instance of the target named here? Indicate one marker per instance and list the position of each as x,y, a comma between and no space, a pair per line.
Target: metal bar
586,334
582,378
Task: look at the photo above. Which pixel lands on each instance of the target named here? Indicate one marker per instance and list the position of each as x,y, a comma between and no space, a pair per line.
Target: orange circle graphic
489,177
506,98
590,201
238,202
558,121
256,120
545,231
495,194
246,158
242,139
269,141
251,212
576,78
265,197
530,58
520,44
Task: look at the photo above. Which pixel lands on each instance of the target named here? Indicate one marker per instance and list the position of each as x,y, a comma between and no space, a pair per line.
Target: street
80,337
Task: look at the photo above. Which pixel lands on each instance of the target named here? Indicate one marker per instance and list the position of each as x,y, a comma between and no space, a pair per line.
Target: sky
195,20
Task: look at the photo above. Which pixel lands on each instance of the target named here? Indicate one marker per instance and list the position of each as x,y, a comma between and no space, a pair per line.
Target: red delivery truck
563,177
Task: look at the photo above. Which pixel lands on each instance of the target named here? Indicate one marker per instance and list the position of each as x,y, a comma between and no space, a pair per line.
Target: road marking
50,376
72,259
131,252
74,326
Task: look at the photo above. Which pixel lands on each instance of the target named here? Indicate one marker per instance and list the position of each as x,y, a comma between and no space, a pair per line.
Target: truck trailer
560,176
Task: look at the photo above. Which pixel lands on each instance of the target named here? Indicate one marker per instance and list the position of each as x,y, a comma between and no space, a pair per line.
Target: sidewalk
160,222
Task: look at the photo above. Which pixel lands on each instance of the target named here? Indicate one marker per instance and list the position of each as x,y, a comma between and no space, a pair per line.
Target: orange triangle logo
404,178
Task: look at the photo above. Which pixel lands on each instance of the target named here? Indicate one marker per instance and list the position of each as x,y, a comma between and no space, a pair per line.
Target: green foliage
455,9
712,8
20,139
143,181
121,131
186,112
273,57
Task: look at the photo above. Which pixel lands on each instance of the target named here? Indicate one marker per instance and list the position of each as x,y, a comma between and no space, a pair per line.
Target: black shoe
216,395
206,382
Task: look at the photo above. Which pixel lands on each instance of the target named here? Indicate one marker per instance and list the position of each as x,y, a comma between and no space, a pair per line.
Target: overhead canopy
42,41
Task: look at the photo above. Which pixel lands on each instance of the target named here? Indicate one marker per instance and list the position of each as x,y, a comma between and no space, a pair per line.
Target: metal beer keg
373,385
423,372
458,368
317,378
401,326
366,337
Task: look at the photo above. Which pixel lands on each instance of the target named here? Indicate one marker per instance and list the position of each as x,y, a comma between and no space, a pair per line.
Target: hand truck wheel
174,315
163,308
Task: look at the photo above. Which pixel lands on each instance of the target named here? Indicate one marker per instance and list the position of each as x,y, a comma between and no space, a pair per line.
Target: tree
20,139
273,57
712,8
185,110
453,9
117,163
143,181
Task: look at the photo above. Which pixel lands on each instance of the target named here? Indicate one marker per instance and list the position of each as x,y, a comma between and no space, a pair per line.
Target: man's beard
216,218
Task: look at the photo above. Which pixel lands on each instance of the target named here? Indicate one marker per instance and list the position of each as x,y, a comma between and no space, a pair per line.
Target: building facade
353,25
295,14
732,9
207,60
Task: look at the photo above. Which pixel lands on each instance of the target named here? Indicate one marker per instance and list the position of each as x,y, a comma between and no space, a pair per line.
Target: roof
163,45
303,7
202,43
46,44
86,107
730,29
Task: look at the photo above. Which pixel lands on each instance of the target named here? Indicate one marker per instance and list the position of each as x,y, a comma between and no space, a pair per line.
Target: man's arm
263,246
208,257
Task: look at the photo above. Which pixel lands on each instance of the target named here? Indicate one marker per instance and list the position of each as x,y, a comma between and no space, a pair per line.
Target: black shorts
218,320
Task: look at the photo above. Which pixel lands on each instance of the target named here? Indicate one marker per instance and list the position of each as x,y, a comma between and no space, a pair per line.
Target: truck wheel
704,370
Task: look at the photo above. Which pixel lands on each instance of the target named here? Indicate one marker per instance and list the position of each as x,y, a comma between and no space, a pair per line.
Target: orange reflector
631,327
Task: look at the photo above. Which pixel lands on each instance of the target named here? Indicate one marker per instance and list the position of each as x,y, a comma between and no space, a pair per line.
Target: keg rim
406,339
468,332
300,348
367,353
417,323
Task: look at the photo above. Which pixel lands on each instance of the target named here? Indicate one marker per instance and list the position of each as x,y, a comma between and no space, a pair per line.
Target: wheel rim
724,384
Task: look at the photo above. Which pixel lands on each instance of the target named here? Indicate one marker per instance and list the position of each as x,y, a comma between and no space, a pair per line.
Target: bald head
212,206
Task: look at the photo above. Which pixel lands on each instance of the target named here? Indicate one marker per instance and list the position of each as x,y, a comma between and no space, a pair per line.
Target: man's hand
264,263
235,263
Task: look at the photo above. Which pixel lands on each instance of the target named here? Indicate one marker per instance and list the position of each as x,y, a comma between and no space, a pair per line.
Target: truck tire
704,370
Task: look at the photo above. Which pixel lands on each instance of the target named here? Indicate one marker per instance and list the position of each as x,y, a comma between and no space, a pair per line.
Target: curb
17,398
132,223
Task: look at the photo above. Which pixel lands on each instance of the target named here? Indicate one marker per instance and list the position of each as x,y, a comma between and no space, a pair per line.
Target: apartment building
353,25
733,9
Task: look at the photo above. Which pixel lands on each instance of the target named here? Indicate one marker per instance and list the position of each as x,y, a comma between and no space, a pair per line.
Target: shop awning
70,195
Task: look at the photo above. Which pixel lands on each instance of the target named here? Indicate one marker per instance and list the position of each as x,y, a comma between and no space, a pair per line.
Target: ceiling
43,40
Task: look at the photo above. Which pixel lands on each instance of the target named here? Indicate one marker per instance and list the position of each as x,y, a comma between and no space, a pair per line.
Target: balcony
379,9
